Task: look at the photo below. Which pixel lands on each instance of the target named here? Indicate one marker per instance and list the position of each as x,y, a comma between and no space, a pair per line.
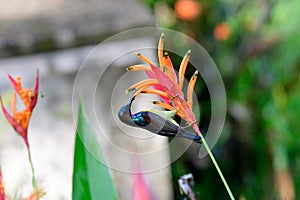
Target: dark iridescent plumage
154,123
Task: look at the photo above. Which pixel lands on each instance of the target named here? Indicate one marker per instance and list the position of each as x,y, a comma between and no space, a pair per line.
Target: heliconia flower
166,84
19,120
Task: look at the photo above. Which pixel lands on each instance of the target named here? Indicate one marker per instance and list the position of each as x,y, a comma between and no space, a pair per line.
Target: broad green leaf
91,178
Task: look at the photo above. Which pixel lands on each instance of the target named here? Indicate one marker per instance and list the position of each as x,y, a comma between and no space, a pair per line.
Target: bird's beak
125,113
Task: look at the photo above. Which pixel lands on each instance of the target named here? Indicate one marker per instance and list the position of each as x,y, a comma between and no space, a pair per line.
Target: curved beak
125,113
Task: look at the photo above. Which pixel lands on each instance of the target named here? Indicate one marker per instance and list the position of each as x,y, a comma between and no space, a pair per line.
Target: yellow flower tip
142,57
138,68
129,90
196,73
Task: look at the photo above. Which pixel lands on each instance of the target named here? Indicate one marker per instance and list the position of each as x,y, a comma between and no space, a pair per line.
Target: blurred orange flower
222,31
187,9
19,120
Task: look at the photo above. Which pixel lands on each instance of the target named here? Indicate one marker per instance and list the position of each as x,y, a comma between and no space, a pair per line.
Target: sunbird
158,122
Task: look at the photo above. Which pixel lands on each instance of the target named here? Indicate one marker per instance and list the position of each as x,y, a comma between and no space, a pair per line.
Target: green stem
34,183
217,167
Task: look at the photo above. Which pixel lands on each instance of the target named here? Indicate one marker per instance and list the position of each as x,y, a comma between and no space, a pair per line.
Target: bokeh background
253,43
254,46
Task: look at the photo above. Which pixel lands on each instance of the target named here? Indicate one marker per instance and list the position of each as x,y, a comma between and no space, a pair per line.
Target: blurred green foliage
91,178
258,56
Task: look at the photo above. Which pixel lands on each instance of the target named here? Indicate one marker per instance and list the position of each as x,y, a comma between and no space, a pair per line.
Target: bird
158,122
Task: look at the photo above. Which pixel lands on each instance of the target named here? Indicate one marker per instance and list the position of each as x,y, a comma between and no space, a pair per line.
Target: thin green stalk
217,167
34,183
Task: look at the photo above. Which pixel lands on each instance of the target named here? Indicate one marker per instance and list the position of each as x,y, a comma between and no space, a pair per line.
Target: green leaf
91,178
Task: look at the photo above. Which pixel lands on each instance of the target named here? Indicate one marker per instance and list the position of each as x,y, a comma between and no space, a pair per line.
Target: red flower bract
19,120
